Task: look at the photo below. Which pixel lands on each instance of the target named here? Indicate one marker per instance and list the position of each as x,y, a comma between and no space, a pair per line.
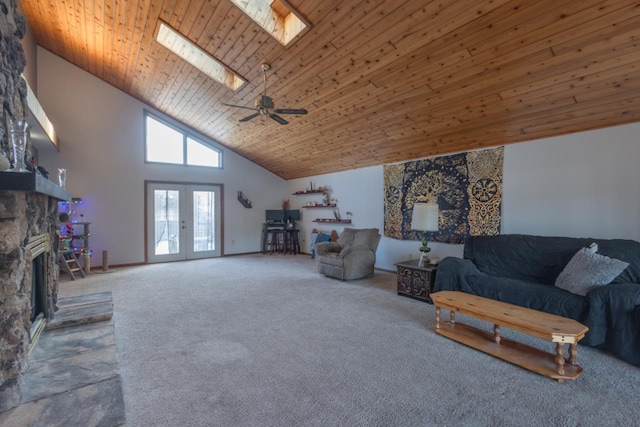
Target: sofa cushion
586,270
528,258
624,250
532,295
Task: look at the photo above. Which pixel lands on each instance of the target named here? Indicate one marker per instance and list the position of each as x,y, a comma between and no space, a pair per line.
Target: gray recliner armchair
352,256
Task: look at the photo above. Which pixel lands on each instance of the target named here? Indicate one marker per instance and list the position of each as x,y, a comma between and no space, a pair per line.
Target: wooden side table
415,281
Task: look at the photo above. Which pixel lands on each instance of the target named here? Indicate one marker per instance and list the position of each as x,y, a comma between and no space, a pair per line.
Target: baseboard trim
242,253
98,268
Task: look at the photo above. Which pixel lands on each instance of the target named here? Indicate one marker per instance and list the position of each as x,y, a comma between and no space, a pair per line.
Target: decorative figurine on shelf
285,203
42,171
325,198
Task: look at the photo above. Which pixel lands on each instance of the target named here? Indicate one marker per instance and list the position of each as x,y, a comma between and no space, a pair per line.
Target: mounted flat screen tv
275,215
292,215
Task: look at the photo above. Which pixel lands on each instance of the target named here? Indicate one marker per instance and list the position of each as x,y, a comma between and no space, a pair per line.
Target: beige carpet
264,340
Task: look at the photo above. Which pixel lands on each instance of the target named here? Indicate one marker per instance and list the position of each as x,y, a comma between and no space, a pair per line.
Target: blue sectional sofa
522,270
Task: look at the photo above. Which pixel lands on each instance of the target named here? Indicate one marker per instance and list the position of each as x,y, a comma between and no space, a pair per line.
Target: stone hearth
73,378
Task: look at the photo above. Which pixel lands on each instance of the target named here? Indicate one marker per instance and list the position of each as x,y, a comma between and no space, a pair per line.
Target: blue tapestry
467,188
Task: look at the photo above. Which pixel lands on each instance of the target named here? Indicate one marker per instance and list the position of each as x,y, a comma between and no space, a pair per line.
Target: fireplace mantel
25,181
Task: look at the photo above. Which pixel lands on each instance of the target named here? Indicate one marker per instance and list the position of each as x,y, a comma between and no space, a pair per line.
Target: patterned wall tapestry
466,186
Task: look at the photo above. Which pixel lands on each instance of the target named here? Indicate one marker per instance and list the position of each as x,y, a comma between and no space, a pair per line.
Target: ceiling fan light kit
265,107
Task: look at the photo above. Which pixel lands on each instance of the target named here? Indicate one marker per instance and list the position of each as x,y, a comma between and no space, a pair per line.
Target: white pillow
587,270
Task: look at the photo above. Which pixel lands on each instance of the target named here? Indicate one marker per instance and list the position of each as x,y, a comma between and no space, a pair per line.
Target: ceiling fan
265,107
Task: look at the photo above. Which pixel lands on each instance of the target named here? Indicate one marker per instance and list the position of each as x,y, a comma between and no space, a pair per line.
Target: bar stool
276,241
293,244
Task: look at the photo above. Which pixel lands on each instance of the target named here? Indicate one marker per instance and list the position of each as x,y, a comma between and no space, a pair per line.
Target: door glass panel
167,221
203,221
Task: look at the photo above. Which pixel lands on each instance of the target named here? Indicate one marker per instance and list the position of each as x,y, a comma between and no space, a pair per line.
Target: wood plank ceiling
384,81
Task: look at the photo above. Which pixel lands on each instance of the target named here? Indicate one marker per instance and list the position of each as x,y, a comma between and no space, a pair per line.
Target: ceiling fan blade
238,106
252,116
278,119
290,111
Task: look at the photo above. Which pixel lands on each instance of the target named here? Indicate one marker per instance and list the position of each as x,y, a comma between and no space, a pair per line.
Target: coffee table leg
573,354
437,317
560,358
496,333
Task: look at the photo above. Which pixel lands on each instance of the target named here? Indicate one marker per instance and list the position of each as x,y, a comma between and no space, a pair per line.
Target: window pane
167,217
204,238
199,154
164,144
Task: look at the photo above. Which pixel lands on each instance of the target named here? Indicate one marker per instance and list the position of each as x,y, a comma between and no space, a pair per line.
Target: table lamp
425,218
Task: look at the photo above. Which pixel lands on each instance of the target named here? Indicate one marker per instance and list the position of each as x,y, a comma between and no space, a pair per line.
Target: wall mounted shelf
300,193
332,221
331,205
243,200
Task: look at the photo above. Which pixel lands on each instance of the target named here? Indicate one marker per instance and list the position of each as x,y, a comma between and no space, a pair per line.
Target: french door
183,222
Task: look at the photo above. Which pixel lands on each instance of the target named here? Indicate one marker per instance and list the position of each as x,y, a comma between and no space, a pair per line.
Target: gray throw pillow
587,270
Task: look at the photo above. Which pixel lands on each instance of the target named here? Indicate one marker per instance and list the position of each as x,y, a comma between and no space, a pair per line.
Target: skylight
42,125
185,49
277,18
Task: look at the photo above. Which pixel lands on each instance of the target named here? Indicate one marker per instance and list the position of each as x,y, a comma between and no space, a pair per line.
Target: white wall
581,185
101,132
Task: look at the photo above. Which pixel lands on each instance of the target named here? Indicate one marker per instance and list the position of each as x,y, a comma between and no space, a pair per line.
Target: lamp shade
425,217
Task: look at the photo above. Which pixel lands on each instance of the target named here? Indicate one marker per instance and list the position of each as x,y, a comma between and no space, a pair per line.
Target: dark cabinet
415,281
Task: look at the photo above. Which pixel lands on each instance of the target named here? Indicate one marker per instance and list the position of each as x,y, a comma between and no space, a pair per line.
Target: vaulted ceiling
383,81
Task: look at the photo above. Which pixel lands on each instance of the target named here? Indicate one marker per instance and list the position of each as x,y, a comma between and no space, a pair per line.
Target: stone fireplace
28,232
28,225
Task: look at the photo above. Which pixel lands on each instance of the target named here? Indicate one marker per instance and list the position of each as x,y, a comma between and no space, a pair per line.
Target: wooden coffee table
550,327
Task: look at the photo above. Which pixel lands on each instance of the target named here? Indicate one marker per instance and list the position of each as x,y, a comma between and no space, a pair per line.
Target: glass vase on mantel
18,136
5,164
